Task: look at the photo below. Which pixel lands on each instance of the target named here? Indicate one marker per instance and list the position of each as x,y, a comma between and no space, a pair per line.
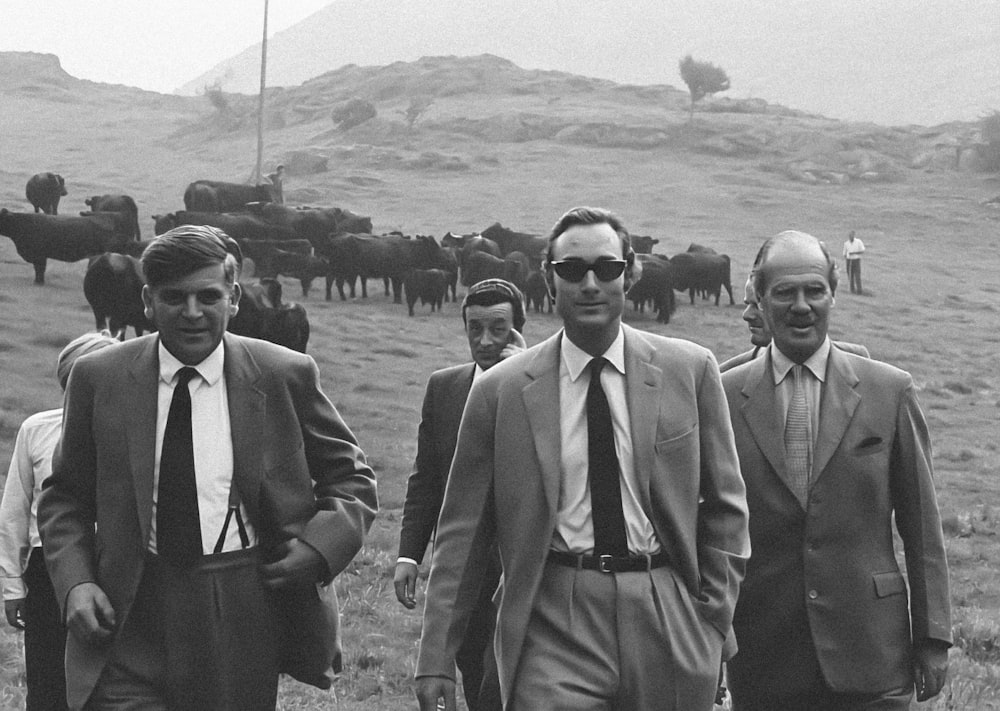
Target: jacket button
813,594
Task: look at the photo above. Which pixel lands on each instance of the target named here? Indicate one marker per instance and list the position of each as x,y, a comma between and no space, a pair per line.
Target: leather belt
609,563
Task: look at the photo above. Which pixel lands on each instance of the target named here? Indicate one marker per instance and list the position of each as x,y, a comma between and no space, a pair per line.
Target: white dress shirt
574,522
30,465
213,446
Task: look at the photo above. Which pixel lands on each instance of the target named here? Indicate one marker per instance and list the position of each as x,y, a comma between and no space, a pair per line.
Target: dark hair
490,292
590,216
186,249
759,280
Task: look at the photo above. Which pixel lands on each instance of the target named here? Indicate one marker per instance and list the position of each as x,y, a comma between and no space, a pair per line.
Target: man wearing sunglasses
603,464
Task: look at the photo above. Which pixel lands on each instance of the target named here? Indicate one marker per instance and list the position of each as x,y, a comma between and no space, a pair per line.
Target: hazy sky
153,44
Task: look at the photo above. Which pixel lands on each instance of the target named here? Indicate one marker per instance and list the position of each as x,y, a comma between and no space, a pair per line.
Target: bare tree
702,79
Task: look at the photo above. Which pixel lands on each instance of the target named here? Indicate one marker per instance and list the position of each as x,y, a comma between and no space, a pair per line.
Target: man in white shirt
853,249
203,487
616,503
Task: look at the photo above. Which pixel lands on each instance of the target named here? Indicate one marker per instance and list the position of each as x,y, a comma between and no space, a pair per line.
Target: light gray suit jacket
505,485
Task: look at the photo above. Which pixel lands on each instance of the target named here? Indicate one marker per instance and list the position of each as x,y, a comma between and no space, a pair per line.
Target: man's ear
234,299
147,300
633,270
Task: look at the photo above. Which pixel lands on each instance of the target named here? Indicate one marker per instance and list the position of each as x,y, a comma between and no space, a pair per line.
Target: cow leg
40,271
385,281
306,285
729,290
329,288
691,294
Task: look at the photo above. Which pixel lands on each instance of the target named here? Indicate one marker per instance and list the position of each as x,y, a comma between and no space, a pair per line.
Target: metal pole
260,103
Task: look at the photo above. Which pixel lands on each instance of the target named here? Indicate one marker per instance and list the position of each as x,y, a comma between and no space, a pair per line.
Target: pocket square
869,442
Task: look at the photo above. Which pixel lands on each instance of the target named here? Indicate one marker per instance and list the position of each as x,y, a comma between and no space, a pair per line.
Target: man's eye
210,298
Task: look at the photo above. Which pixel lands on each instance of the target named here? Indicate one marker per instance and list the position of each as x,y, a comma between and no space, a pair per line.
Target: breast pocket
678,453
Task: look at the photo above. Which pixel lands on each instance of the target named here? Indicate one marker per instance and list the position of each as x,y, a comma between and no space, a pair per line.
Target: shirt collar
209,369
577,360
476,372
781,364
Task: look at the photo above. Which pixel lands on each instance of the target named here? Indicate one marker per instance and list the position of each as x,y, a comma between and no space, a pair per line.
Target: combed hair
490,292
590,216
186,249
759,283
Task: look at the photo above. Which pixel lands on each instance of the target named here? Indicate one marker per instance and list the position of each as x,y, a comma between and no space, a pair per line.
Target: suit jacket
296,465
823,585
505,486
747,356
447,391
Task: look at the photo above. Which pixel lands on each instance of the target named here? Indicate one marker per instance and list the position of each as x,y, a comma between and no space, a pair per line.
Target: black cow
304,267
642,244
44,190
261,314
123,204
449,263
314,223
511,241
536,292
480,265
236,225
113,287
696,271
387,257
428,285
67,238
517,266
655,285
219,196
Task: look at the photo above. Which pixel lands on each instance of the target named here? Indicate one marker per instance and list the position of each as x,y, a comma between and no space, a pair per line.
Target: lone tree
702,79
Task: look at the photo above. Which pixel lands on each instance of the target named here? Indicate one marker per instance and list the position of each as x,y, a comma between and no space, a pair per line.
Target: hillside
874,60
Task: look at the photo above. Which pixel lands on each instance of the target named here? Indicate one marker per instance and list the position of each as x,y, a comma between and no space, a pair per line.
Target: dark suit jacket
823,585
505,483
296,465
447,391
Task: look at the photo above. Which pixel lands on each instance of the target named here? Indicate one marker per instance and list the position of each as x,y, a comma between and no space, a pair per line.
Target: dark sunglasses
574,271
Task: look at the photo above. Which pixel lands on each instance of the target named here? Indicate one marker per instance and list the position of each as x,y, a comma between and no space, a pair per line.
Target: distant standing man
29,601
493,313
853,249
833,447
277,179
602,462
203,487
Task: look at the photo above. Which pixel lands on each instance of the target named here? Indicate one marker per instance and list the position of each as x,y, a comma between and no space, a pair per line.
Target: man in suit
833,447
203,486
493,314
615,500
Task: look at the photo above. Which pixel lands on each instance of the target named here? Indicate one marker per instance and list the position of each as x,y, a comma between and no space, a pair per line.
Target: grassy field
930,274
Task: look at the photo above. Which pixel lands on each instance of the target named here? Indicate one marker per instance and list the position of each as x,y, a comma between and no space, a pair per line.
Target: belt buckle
605,563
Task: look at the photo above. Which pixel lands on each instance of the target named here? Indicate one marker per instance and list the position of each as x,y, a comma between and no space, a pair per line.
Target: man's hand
405,582
930,667
432,688
89,614
297,563
14,609
516,345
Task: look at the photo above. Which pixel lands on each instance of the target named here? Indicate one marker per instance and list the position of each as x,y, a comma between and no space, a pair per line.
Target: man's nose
589,280
800,303
192,307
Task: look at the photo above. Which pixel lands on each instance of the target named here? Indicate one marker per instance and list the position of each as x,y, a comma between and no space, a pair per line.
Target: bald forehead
795,253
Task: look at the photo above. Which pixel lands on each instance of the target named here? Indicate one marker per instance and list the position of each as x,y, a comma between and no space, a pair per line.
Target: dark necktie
605,487
178,526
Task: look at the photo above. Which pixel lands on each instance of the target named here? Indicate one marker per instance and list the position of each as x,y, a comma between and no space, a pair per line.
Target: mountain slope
875,60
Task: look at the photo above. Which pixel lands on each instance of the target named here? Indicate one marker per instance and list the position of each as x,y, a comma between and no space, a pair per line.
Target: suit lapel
763,416
643,384
840,400
246,418
140,408
539,396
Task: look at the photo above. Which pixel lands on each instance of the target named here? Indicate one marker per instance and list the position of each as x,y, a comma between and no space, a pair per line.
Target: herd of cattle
306,243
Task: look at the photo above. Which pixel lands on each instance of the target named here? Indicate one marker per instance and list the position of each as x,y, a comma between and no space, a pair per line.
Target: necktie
605,487
798,441
178,526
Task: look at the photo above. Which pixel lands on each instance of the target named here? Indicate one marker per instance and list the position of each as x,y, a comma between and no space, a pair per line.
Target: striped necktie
798,441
